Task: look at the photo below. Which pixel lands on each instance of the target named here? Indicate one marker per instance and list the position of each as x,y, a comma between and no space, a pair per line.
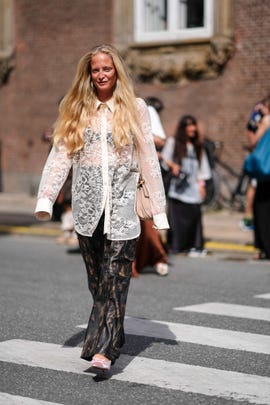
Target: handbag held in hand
257,164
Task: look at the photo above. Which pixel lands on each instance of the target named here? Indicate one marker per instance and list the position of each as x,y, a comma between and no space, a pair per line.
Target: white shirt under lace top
105,178
157,128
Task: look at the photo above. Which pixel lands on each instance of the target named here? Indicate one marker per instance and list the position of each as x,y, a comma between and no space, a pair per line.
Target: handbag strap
139,160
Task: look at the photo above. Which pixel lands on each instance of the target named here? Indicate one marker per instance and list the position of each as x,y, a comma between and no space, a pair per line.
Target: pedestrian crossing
169,375
7,399
264,296
140,370
238,311
221,338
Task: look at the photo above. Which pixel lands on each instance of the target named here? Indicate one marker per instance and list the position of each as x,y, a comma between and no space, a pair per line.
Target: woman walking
102,132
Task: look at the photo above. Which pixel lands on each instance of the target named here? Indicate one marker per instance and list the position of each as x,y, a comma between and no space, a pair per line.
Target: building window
7,42
170,20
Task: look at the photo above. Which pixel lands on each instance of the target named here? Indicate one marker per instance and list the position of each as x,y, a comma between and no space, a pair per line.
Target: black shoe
73,251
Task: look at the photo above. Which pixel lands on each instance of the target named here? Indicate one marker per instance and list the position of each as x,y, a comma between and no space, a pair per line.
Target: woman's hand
202,189
262,127
42,215
175,168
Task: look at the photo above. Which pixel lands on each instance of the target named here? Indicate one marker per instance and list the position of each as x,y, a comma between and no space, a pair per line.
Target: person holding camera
256,126
261,205
184,156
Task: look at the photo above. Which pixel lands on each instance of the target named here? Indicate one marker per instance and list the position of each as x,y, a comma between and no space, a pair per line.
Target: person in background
155,106
102,132
261,205
150,250
246,223
259,111
184,156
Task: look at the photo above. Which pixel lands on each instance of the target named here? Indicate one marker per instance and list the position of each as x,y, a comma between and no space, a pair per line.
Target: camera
254,120
181,182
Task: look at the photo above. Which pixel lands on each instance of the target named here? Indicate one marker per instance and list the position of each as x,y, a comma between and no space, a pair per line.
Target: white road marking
140,370
201,335
239,311
8,399
264,296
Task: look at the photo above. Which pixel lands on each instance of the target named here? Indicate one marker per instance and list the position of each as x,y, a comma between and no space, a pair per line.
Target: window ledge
6,66
179,62
175,42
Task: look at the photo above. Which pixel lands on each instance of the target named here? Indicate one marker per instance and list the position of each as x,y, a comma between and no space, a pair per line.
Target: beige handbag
143,206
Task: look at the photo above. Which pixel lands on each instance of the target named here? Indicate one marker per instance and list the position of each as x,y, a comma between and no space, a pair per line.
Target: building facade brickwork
50,38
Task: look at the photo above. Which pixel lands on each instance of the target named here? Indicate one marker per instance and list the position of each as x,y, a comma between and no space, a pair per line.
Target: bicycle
227,187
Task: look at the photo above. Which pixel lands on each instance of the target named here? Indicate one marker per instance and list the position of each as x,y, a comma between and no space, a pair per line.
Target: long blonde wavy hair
80,101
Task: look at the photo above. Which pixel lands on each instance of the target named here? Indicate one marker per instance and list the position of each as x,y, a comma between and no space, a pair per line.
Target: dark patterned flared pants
108,265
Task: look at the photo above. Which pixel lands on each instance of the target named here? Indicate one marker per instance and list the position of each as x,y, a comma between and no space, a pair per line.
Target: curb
26,230
40,231
229,246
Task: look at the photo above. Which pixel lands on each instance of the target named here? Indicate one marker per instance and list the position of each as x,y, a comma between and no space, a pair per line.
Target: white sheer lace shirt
105,178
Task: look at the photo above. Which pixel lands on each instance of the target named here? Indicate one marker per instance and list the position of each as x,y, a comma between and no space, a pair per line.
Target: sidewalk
222,231
221,228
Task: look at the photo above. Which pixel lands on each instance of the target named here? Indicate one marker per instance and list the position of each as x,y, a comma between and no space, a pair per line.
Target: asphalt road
201,335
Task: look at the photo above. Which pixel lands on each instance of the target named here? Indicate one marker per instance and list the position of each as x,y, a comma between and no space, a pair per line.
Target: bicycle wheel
238,198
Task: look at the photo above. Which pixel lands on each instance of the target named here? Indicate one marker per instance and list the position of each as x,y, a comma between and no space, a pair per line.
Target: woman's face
191,130
103,75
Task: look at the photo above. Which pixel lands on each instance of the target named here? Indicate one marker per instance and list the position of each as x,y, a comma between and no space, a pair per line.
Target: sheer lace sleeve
149,166
53,177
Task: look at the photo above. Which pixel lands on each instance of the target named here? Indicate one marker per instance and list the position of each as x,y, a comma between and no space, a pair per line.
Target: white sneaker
162,269
197,253
204,253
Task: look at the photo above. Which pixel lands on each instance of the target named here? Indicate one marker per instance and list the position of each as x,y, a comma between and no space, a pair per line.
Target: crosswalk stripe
8,399
265,296
164,374
221,338
239,311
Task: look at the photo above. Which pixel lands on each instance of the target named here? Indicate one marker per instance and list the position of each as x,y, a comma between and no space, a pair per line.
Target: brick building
214,64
